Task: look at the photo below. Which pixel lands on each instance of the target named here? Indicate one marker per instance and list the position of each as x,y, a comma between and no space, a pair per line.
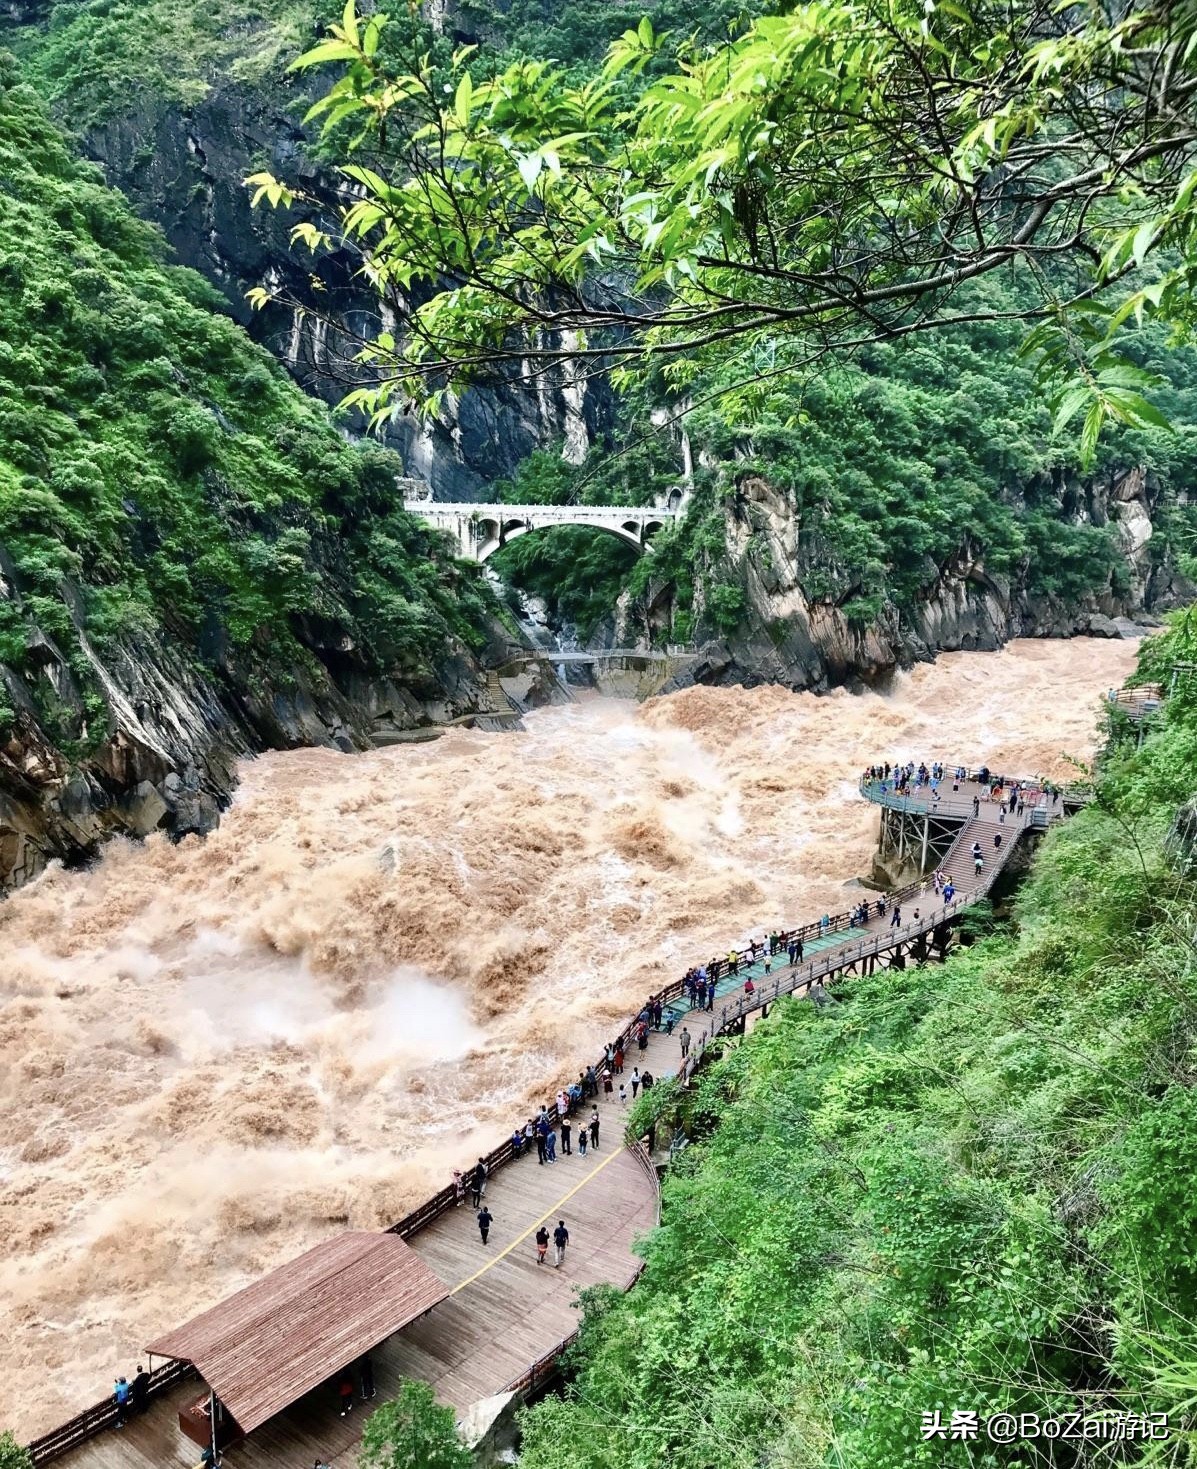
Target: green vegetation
96,57
12,1454
413,1432
893,463
821,178
963,1187
158,471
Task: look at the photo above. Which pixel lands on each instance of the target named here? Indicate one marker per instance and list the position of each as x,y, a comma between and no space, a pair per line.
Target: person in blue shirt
122,1393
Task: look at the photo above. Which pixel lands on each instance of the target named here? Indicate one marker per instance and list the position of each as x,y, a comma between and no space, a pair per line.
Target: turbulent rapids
215,1054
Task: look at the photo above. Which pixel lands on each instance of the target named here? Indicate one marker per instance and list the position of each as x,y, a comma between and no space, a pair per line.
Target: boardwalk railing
547,1366
99,1416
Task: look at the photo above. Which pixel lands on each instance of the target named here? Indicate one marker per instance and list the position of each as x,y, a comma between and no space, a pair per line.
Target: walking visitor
560,1240
485,1220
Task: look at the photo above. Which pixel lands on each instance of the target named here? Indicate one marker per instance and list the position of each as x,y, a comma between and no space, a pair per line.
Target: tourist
976,805
594,1128
485,1220
567,1134
478,1182
916,915
623,1095
792,951
647,1081
591,1087
121,1393
517,1141
345,1387
608,1088
365,1378
768,963
618,1059
896,919
139,1390
541,1147
542,1244
642,1037
733,962
997,840
978,863
749,987
550,1146
685,1040
711,995
582,1137
560,1240
635,1081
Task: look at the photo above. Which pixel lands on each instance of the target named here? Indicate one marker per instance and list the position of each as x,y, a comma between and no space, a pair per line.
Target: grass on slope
966,1187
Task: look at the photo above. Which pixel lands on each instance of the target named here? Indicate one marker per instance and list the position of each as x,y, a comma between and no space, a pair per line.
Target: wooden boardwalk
506,1313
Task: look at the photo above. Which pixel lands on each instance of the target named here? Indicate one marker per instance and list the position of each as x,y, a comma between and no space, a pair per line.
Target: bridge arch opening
566,576
630,533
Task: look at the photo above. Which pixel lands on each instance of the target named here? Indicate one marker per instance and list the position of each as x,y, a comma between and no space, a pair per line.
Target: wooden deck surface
505,1311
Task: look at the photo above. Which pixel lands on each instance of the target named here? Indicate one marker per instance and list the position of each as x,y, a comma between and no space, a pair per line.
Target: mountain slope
193,560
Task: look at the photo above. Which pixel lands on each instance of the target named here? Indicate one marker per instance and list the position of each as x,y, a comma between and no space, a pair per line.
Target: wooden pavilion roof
266,1346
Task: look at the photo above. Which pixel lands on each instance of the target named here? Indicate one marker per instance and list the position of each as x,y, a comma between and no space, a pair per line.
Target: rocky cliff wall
786,636
183,169
162,751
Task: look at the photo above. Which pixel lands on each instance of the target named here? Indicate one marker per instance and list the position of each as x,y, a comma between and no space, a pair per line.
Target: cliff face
783,635
182,168
170,732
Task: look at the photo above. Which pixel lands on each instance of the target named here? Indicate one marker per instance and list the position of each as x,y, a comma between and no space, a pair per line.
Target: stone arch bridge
481,530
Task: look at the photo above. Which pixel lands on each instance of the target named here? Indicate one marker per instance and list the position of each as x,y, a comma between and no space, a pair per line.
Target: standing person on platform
542,1244
139,1390
635,1081
560,1240
623,1094
122,1392
365,1378
896,920
485,1220
541,1148
594,1128
566,1137
345,1390
685,1040
607,1086
478,1182
550,1146
583,1138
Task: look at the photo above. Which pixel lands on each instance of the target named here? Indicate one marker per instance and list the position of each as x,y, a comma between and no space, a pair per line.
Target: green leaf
463,99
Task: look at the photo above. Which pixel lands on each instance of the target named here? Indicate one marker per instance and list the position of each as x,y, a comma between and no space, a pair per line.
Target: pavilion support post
926,839
212,1407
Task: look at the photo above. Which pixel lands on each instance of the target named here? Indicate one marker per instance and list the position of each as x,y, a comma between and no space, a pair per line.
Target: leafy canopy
413,1432
831,175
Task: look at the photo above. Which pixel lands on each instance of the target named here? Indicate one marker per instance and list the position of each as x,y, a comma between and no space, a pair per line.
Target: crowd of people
909,779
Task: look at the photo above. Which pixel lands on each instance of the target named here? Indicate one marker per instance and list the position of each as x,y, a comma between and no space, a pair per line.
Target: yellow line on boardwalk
536,1223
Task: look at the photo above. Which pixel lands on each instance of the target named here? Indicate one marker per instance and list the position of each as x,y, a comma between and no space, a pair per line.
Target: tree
413,1432
834,175
12,1454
